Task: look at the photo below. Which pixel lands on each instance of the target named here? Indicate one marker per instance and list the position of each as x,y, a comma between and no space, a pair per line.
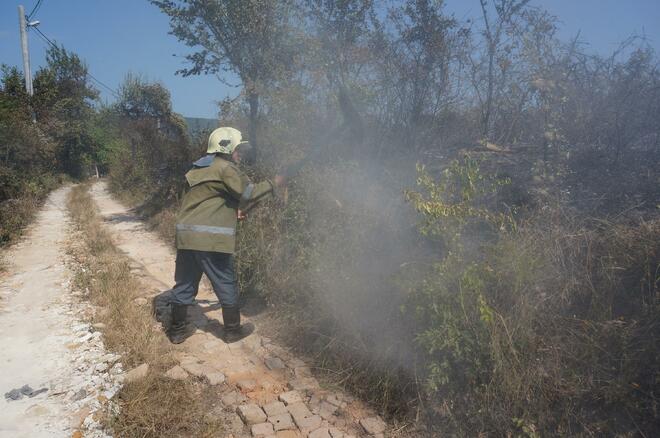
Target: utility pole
26,53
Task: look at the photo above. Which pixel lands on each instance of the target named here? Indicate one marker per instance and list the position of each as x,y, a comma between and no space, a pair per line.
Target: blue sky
118,36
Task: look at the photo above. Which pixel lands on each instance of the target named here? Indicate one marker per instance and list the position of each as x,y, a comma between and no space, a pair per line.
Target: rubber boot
233,330
179,330
161,308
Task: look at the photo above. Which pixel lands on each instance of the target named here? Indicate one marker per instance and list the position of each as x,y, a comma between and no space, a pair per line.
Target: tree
245,37
23,152
153,149
340,31
495,33
63,100
422,54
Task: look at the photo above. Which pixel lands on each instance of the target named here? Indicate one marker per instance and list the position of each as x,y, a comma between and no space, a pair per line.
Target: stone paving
265,390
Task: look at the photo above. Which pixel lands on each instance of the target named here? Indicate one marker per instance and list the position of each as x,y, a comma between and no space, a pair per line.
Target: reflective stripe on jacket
207,218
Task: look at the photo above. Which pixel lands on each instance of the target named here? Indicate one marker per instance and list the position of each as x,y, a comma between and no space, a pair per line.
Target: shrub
548,326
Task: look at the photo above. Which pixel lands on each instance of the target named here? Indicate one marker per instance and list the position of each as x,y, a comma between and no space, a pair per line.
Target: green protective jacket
208,215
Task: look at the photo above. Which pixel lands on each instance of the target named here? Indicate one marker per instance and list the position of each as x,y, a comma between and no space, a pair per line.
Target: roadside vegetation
45,139
474,242
508,284
153,406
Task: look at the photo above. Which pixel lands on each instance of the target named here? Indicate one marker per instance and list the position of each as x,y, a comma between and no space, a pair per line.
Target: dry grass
160,407
154,406
562,338
560,335
18,211
4,265
15,215
163,223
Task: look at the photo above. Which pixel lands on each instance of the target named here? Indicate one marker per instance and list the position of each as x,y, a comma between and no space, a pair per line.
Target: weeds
16,213
552,327
541,323
154,406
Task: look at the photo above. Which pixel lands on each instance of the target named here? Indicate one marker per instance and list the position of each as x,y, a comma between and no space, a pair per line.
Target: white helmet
224,141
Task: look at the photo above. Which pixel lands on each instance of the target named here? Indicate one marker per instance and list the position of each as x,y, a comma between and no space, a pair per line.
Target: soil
44,340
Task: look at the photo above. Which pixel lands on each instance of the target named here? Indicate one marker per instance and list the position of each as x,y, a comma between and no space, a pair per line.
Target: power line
114,93
91,76
44,36
34,9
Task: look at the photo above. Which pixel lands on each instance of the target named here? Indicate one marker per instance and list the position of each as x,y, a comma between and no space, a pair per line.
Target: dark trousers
218,267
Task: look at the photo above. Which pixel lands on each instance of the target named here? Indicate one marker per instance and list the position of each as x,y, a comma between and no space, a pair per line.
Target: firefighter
219,195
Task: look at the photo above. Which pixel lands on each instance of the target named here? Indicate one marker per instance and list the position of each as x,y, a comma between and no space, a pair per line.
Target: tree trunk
489,94
253,101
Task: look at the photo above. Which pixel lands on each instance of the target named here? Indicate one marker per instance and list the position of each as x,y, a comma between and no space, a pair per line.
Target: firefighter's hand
279,180
241,215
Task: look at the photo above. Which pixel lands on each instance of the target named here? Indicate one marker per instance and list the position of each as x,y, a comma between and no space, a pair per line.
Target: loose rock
79,416
101,367
373,425
327,410
137,373
81,394
194,368
215,377
274,363
176,373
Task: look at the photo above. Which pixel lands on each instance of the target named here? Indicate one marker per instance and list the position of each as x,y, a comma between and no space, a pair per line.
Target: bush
22,198
502,322
549,327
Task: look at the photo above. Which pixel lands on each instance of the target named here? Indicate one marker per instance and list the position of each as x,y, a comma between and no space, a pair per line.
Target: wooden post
24,48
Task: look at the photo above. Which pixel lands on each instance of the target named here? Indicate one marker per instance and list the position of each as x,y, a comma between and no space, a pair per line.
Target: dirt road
43,340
